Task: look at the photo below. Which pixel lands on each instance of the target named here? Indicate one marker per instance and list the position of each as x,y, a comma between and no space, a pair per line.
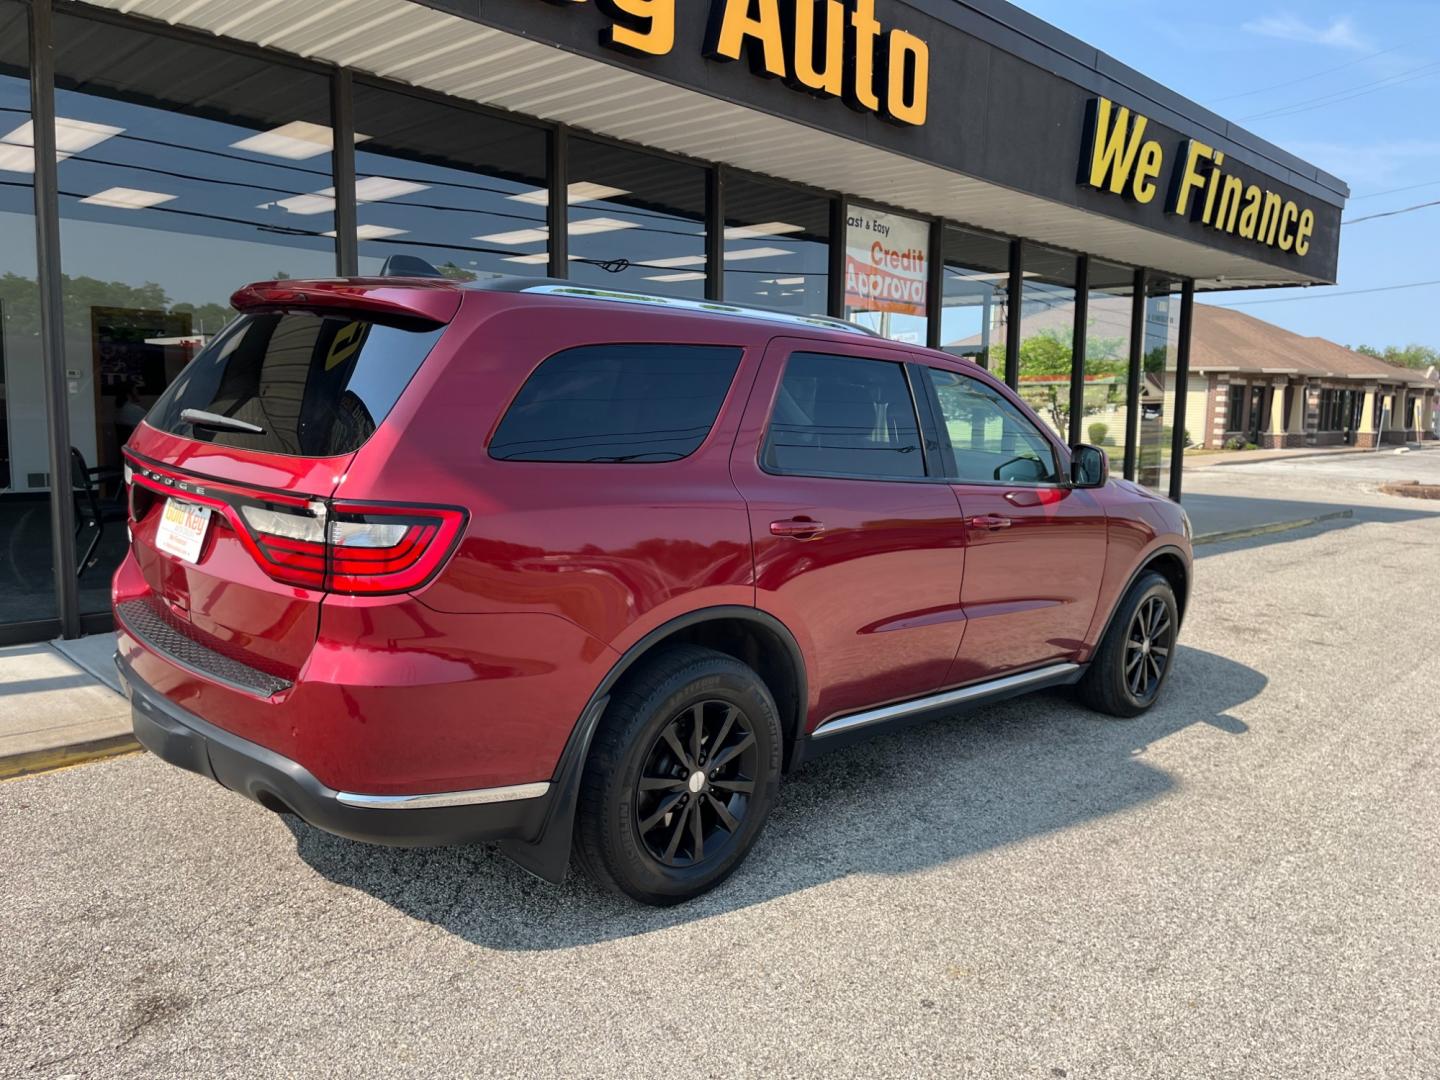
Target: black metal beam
1135,372
1182,383
935,287
1079,340
347,244
1014,304
838,232
52,315
557,214
715,233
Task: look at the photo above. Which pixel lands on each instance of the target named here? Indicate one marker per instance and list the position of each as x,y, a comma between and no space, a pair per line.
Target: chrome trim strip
444,798
937,701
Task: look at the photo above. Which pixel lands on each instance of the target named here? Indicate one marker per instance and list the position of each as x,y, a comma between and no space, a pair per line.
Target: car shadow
905,802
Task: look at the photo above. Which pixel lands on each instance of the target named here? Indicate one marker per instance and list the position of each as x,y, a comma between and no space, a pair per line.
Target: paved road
1243,883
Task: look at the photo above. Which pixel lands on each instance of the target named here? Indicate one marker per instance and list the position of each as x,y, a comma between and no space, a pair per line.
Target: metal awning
410,43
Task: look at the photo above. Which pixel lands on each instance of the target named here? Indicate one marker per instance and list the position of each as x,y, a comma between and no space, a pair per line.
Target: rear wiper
201,418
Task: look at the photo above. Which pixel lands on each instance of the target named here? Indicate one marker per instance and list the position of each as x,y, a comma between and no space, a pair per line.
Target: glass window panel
28,590
617,403
974,303
1047,335
637,221
887,280
990,440
1107,359
842,416
1157,385
186,172
777,246
462,190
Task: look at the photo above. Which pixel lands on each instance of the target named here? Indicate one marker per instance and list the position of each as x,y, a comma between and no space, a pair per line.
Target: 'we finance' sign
885,262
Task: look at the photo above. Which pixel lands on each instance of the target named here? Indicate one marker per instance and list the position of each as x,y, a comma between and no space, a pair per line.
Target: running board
833,733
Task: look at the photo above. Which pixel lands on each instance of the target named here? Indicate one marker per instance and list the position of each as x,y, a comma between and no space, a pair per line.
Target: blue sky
1362,101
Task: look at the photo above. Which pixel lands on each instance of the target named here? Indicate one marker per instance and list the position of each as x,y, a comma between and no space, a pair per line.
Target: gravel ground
1243,883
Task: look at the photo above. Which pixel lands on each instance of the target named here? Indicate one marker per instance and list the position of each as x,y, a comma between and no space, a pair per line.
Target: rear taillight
360,549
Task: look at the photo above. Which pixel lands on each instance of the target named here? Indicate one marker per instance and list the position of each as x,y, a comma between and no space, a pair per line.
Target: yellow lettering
1114,146
1250,215
1192,178
822,72
733,31
642,27
1288,217
1212,188
1269,219
1147,171
1303,234
865,32
907,67
1230,195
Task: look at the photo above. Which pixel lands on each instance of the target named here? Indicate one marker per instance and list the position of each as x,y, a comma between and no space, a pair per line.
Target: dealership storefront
948,172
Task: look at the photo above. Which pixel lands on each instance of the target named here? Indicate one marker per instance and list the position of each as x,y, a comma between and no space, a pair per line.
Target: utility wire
1305,78
1348,94
1392,213
1394,191
1326,294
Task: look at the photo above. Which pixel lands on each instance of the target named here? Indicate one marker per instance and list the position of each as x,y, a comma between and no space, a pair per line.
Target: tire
1122,679
646,843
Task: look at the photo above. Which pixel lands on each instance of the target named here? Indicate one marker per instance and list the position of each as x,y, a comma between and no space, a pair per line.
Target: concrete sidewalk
57,708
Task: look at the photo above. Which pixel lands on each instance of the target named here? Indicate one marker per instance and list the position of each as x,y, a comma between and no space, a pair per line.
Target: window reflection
1047,335
463,191
173,193
1107,359
974,308
637,220
27,585
777,246
1157,385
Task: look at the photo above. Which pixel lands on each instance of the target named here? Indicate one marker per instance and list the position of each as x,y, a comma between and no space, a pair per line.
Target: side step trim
514,793
965,694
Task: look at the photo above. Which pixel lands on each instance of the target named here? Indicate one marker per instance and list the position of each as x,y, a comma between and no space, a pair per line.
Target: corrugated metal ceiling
413,44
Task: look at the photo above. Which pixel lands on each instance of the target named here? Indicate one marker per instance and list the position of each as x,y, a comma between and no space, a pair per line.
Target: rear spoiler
418,304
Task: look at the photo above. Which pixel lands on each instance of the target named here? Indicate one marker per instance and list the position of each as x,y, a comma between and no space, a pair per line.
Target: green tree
1407,356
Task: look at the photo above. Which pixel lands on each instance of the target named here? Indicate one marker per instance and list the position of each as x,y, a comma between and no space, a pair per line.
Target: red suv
586,572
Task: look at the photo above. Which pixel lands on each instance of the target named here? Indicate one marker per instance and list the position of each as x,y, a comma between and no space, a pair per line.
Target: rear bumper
278,783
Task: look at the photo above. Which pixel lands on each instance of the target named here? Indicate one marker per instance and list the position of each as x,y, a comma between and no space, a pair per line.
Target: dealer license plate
182,529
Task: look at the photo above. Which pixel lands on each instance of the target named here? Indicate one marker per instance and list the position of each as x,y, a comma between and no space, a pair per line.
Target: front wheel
1138,651
680,778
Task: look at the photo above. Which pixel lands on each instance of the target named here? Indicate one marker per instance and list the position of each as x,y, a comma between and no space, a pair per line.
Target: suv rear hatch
235,534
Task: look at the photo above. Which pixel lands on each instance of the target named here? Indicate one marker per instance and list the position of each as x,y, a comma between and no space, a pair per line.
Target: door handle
799,528
989,521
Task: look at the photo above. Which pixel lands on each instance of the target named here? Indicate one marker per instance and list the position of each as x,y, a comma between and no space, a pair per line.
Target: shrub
1236,442
1098,431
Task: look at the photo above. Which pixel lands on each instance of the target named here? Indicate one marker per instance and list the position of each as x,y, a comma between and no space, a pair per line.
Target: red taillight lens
388,549
353,548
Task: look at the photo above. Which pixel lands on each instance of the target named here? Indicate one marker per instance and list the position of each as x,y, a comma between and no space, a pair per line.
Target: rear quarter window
617,403
316,386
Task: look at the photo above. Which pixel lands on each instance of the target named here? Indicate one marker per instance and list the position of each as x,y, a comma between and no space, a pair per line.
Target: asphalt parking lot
1243,883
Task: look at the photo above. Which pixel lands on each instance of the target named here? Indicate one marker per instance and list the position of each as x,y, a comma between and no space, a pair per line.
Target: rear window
314,386
617,403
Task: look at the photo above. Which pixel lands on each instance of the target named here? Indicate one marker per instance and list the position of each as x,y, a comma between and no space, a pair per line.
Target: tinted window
315,386
838,415
630,403
990,438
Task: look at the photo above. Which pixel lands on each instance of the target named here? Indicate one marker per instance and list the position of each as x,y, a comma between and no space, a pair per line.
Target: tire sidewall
640,872
1157,587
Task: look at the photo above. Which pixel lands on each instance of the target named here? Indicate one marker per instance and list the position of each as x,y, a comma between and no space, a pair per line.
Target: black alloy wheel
1147,648
1134,658
695,786
682,773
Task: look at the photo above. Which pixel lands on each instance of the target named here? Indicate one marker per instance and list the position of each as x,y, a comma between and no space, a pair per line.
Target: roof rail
713,307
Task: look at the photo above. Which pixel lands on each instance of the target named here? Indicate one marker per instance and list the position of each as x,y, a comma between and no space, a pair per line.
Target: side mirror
1089,466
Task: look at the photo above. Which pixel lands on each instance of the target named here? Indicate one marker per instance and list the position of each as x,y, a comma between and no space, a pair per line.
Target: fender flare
548,855
1150,557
